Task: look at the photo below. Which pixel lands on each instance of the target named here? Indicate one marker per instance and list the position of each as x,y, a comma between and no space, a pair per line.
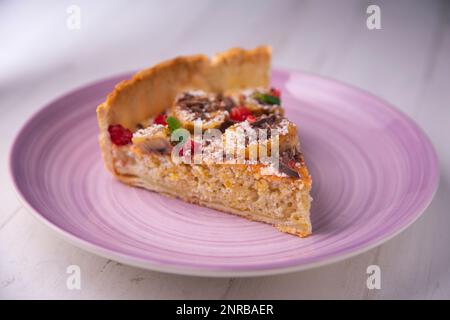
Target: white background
407,63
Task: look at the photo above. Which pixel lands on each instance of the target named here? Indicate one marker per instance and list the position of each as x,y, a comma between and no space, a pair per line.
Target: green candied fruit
173,123
267,99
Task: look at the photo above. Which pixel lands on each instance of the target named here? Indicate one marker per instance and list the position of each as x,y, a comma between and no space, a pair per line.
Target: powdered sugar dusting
272,170
151,130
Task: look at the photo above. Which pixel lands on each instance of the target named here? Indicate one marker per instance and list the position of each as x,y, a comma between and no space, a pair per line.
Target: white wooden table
407,63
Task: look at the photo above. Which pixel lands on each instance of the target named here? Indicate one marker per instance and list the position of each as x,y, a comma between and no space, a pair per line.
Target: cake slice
210,132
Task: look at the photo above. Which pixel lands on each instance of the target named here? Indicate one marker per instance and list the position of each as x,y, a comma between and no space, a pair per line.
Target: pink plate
374,172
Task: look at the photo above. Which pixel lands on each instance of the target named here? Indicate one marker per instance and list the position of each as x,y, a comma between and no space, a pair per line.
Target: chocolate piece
226,103
287,170
226,124
202,105
265,122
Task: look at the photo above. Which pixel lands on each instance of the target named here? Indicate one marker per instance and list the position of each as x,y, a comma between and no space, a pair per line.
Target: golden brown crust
151,91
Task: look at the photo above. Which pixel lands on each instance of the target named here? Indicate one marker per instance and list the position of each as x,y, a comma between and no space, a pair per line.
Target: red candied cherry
240,113
251,118
275,92
119,135
161,119
194,146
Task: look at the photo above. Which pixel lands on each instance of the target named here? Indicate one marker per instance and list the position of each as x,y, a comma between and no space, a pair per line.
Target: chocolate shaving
226,103
201,106
226,124
291,154
286,158
265,122
289,171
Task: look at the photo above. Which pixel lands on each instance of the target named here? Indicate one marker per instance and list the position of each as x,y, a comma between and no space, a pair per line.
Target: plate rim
212,272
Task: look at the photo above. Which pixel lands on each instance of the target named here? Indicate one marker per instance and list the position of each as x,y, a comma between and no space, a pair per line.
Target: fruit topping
269,99
275,92
240,114
155,138
251,118
161,119
173,123
120,136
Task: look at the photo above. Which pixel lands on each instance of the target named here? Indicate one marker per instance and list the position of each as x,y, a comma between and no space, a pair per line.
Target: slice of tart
210,132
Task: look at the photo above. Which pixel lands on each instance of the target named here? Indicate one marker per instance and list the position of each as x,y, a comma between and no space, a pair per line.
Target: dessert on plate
210,132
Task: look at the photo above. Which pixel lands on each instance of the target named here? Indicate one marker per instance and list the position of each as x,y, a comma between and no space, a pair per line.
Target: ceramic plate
374,173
